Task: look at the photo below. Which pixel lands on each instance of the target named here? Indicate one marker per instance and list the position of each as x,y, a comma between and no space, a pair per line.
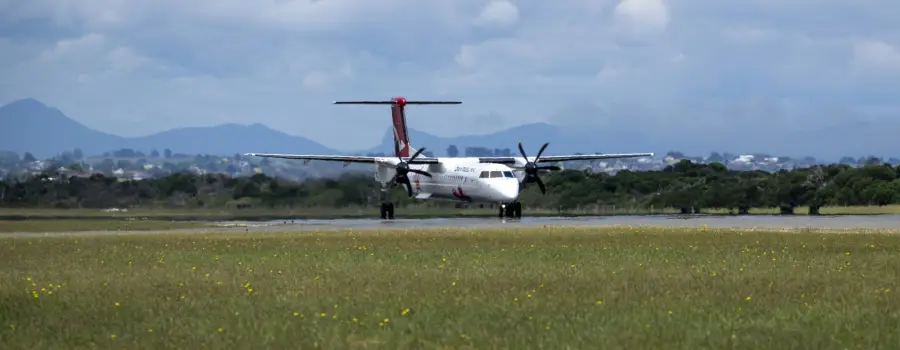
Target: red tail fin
401,137
398,116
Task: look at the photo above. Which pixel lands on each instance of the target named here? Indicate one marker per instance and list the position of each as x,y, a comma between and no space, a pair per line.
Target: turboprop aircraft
468,179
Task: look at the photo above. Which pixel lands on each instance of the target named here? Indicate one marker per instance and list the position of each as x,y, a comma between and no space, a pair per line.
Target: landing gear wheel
511,210
387,211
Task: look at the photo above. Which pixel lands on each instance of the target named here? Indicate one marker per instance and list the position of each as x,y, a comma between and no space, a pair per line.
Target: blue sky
134,67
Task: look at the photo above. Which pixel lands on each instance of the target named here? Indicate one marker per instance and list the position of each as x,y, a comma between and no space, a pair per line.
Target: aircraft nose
508,190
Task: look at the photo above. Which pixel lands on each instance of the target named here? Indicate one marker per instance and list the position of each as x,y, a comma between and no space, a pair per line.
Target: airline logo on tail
401,138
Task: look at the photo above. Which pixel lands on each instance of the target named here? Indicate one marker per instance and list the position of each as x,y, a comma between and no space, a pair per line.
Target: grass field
578,288
420,212
51,226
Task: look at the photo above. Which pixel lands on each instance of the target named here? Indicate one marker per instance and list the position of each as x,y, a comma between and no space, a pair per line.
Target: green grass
581,288
415,211
95,225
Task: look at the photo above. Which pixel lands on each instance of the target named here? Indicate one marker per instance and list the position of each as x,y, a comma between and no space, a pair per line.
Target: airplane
477,180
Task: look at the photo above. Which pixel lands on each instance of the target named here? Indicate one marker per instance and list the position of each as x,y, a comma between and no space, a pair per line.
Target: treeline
687,186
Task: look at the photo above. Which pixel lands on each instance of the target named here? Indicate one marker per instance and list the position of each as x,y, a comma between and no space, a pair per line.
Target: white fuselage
460,179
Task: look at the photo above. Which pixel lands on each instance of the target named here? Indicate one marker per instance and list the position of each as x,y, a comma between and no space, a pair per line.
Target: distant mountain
30,126
562,141
228,139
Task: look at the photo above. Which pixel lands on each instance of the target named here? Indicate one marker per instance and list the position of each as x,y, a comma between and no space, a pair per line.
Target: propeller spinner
403,169
531,168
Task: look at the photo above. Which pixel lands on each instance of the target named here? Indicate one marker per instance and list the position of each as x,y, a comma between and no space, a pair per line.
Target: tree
28,158
75,167
452,151
715,157
872,160
123,164
167,153
78,154
107,165
686,186
154,153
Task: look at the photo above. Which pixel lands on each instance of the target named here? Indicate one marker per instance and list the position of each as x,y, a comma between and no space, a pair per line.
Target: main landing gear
387,211
511,210
387,207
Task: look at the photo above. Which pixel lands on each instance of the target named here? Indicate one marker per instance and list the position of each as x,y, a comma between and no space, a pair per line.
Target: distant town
128,164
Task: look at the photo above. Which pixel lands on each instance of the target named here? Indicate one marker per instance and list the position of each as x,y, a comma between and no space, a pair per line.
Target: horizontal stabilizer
389,102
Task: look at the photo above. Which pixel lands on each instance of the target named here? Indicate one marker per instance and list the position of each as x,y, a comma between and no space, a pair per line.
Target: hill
45,131
562,141
31,126
228,139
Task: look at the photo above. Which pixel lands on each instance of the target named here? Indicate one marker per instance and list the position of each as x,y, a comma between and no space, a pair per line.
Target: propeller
403,169
531,168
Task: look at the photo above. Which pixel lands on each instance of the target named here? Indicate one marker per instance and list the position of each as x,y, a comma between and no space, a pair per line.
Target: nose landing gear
510,210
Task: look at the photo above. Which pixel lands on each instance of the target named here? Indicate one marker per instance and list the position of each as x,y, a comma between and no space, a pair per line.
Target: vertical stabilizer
398,119
401,137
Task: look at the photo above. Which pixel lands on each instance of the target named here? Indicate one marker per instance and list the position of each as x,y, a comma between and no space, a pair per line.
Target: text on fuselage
464,169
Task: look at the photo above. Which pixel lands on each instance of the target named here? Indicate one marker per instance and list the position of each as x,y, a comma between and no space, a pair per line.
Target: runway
755,221
843,222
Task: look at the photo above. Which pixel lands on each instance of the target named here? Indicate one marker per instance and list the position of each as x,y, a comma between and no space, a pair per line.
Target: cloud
498,12
643,16
138,66
877,56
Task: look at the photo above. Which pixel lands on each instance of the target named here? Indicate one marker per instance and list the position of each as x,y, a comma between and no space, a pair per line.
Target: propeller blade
420,172
540,184
416,154
541,151
408,188
522,150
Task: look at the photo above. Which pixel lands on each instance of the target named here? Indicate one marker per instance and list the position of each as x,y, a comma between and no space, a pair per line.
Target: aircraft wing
566,158
341,159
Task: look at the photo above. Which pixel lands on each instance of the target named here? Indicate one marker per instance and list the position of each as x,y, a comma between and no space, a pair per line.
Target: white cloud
649,14
877,55
499,12
281,62
67,48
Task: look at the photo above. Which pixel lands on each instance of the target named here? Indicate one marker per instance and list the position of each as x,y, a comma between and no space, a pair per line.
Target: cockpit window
484,175
508,174
496,174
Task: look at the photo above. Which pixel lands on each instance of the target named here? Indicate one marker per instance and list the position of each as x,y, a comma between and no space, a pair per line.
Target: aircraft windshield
496,174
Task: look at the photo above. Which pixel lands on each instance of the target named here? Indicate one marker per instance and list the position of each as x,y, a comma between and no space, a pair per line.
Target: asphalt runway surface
843,222
755,221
